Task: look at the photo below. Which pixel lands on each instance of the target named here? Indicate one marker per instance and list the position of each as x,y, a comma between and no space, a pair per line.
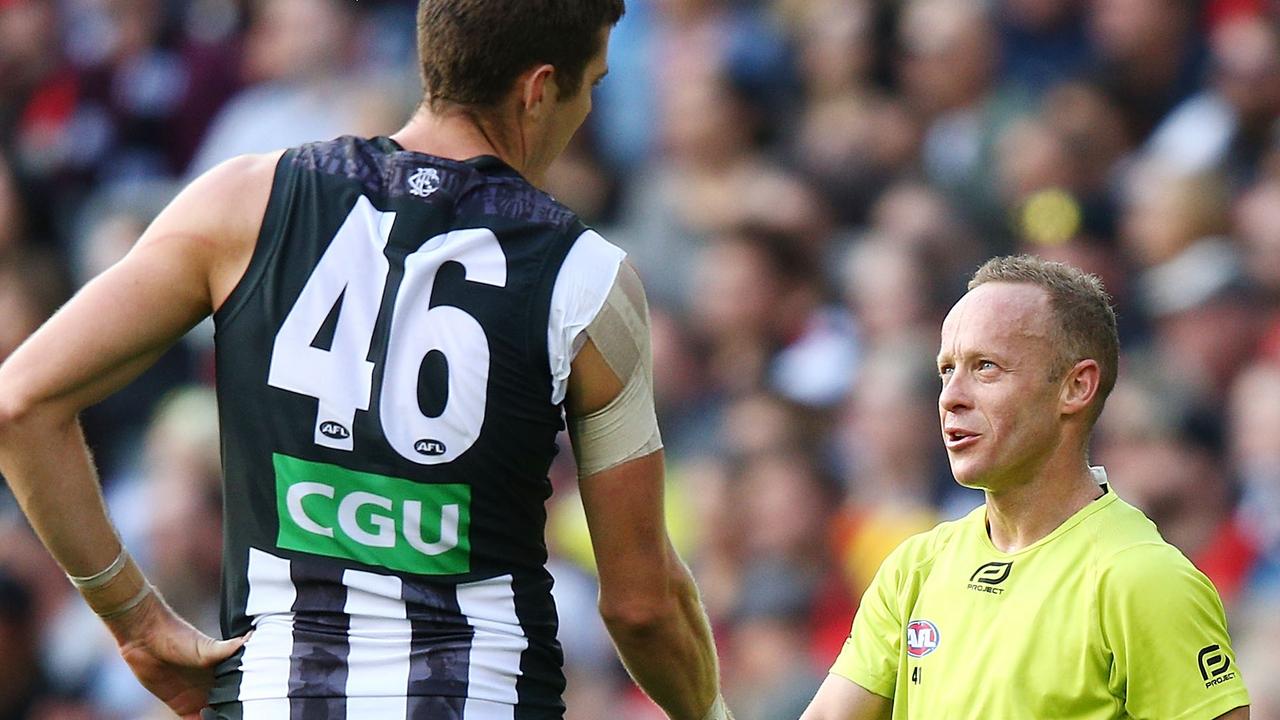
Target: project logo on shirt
1213,666
922,638
988,575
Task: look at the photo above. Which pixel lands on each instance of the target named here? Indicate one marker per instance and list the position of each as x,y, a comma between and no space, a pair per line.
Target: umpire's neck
1033,502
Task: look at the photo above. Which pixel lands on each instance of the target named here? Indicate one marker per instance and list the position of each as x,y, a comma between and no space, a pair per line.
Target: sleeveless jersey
389,411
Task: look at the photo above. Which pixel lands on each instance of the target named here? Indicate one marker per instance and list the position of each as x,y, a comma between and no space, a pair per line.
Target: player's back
389,408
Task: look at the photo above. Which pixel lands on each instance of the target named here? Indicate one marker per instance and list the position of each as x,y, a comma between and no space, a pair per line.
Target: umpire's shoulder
1132,557
1123,535
1150,568
920,549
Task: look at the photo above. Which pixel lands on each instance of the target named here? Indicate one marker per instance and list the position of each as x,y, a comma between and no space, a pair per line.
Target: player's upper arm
614,430
184,264
610,407
1164,626
624,507
842,699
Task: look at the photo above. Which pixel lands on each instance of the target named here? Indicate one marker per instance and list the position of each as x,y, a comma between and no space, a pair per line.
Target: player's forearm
45,462
668,649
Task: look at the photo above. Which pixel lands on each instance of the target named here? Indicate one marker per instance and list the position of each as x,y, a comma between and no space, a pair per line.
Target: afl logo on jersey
424,182
334,430
922,638
430,448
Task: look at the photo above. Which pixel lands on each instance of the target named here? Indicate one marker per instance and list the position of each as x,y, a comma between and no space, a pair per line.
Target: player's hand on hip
172,659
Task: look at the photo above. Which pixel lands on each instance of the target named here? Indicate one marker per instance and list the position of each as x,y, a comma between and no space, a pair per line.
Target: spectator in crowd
785,504
1042,42
181,488
26,692
297,56
1206,324
1227,126
1258,227
1254,414
11,214
712,179
888,287
1149,57
760,303
21,677
37,110
919,217
772,670
851,137
892,475
1257,652
686,401
950,74
31,288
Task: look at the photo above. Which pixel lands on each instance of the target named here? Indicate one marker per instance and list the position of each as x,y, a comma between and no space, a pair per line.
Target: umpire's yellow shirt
1100,619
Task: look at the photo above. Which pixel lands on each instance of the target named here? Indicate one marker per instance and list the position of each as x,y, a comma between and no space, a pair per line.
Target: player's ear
1080,386
538,88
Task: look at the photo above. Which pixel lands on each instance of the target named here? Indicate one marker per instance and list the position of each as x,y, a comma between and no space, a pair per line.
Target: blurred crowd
804,186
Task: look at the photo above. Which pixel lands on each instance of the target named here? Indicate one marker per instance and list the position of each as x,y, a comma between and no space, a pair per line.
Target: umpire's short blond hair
1084,321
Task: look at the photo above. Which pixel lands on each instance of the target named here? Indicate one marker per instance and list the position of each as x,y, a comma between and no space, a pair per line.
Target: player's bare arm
843,699
1240,713
648,599
181,269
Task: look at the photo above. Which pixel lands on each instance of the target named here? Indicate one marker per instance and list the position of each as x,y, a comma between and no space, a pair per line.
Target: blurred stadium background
804,186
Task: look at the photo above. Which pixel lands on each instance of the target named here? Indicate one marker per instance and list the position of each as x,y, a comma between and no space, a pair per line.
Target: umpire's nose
954,396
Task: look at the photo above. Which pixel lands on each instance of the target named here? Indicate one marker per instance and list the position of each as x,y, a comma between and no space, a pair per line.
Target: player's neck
457,135
1019,516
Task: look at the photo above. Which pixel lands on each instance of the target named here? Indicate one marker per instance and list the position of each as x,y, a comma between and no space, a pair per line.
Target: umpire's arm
842,699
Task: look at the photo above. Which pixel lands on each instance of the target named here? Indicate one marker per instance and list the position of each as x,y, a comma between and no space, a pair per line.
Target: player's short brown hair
1081,308
471,51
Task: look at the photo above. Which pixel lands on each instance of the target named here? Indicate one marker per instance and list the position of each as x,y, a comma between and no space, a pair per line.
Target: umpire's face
999,401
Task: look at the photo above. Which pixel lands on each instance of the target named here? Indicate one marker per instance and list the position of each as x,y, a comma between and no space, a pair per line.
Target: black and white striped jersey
390,375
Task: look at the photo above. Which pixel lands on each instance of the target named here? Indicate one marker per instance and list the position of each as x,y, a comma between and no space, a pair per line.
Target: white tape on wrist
129,604
718,710
98,579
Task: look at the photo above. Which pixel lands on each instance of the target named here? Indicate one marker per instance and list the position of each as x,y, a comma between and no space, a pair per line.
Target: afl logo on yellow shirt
922,638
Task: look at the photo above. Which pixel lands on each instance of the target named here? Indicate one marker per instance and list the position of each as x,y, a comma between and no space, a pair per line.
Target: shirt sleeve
1164,625
582,285
870,656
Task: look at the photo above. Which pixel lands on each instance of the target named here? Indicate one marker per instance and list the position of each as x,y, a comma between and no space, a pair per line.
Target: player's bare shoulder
240,187
217,218
236,194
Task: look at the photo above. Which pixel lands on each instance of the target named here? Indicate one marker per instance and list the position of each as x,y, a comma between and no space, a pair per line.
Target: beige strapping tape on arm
718,710
626,428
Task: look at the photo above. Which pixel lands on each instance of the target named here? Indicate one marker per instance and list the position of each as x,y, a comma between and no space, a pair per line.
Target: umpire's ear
1080,387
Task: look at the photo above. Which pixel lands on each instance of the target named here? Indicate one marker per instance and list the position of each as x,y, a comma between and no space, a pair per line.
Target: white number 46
354,270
